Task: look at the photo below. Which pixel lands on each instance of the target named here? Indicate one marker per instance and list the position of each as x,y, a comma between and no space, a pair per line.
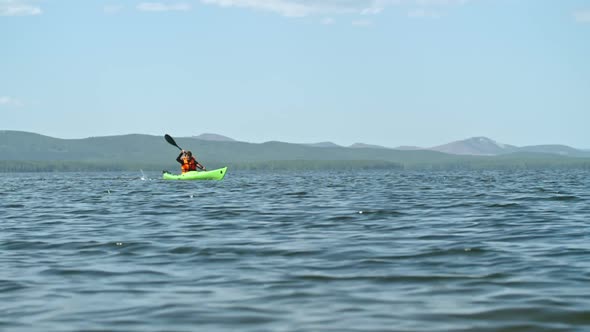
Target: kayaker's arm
180,156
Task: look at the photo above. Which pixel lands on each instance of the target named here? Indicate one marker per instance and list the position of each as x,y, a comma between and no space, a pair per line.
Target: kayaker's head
189,154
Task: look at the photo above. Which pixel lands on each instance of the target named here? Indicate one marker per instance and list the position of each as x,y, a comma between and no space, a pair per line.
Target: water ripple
296,251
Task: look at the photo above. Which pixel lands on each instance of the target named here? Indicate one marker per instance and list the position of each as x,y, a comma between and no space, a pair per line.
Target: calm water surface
296,251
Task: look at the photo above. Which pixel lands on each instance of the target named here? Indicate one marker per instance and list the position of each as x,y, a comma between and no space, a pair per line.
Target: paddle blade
170,140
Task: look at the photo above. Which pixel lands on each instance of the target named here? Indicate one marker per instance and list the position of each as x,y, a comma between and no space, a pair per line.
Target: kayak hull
215,174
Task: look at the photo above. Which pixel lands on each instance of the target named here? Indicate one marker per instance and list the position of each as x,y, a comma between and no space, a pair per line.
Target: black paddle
170,140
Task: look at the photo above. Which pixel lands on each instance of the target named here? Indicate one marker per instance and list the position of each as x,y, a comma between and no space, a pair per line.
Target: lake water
296,251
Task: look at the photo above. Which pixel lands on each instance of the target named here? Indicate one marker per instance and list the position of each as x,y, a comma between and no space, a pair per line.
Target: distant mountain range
474,146
484,146
24,151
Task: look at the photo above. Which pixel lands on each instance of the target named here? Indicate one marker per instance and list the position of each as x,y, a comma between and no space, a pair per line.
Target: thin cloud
440,2
372,10
161,7
582,16
8,101
18,8
290,8
362,23
112,9
328,21
302,8
422,13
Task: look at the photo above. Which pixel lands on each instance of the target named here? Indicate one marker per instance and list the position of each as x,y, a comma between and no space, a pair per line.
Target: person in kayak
188,162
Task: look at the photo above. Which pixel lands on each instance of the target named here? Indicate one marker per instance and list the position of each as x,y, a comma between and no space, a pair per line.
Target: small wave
539,314
505,205
154,212
564,198
381,212
11,285
21,244
88,212
183,250
13,206
297,194
71,245
75,271
99,273
446,252
388,278
341,218
463,204
138,192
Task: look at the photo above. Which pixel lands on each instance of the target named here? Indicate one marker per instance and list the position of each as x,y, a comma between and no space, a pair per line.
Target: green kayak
216,174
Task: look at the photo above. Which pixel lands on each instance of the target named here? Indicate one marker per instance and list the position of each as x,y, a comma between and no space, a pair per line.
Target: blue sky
387,72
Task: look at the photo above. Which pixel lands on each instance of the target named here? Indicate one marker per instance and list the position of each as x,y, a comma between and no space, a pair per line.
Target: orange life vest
188,164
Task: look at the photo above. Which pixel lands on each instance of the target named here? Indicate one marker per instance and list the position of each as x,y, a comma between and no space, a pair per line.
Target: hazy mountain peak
366,146
485,140
479,145
324,145
214,137
408,147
